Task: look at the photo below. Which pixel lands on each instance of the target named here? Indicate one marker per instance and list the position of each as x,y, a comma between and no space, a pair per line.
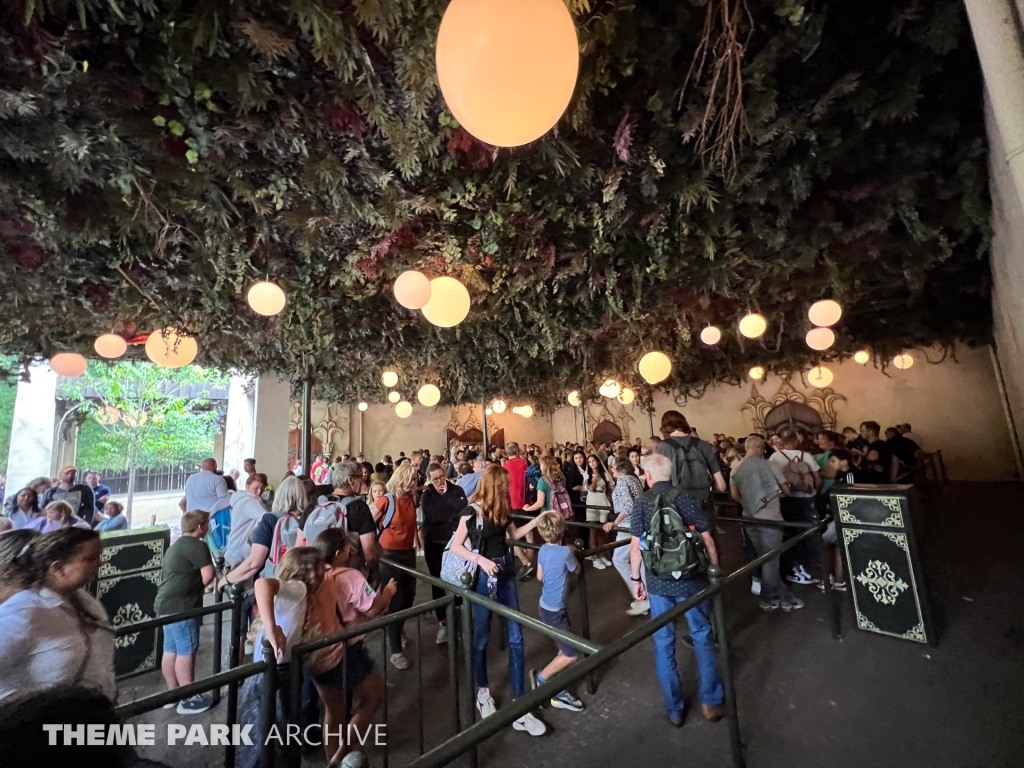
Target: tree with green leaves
145,415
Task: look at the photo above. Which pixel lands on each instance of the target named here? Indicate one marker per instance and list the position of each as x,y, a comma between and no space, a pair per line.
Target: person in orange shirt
398,543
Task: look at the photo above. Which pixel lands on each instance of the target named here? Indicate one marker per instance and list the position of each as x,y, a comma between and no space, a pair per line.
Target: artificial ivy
158,156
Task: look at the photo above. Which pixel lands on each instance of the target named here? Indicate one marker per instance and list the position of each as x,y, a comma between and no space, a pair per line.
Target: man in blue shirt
664,594
472,480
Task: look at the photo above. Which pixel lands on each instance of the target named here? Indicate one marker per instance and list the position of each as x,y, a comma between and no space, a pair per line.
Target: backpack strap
389,515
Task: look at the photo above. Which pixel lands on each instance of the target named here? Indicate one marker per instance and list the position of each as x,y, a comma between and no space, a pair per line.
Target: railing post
218,631
453,633
835,619
584,607
235,593
295,681
715,576
268,754
467,652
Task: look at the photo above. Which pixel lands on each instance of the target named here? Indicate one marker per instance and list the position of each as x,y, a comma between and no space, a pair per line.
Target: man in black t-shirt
358,517
876,467
904,451
442,504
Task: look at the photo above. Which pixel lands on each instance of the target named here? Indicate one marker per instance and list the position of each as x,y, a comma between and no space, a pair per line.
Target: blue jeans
508,596
711,690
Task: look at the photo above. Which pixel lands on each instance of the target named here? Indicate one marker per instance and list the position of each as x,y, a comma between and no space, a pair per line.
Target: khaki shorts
597,515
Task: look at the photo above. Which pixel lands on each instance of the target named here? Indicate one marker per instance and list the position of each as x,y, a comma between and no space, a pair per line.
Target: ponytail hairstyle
14,559
60,547
307,565
333,541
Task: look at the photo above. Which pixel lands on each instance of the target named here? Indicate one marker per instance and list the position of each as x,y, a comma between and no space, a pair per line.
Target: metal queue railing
467,734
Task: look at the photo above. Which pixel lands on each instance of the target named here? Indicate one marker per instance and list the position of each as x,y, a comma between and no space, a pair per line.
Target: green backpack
670,549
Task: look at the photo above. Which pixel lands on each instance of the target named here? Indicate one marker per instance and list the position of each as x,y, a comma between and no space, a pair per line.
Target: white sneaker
606,561
442,635
531,725
755,586
639,608
806,574
354,760
485,706
399,661
599,563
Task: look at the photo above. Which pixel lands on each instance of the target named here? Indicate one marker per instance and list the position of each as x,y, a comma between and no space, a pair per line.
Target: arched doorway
295,447
606,432
794,415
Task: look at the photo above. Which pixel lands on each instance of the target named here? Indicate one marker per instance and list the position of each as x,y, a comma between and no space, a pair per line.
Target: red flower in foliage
546,252
175,147
369,267
31,257
342,117
18,227
137,98
480,155
98,296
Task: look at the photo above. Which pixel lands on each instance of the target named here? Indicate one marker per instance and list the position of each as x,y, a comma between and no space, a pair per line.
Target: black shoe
527,572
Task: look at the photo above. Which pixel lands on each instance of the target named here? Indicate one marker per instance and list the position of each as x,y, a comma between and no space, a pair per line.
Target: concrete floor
805,699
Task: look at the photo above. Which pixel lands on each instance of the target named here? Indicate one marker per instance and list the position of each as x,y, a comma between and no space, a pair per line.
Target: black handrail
174,618
207,684
484,729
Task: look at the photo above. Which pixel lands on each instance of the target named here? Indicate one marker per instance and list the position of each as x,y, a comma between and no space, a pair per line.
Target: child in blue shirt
554,564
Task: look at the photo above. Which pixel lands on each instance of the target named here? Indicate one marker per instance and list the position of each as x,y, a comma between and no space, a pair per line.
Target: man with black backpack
797,473
695,466
670,536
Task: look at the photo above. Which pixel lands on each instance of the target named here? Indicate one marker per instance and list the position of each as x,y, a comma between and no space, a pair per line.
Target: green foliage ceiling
157,156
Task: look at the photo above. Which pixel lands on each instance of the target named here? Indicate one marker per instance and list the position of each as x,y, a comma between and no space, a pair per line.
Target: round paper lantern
412,289
820,377
70,365
507,68
266,298
574,398
429,395
389,378
488,411
711,335
170,348
526,411
862,357
757,372
655,367
626,396
820,338
753,326
825,313
499,406
903,361
610,388
362,406
110,345
393,396
448,304
403,410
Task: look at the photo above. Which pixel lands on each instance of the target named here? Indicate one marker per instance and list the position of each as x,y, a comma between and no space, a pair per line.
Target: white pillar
32,429
270,435
239,426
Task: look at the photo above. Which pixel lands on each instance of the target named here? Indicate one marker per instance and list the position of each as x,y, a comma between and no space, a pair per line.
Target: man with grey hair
757,489
665,593
472,480
358,518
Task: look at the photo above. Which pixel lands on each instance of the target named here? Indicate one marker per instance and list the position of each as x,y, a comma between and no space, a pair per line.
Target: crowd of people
329,549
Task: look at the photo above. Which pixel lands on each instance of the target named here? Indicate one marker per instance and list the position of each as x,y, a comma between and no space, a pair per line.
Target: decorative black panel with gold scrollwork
875,529
127,584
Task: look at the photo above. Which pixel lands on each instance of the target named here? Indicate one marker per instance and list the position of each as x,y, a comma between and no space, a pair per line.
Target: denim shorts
182,637
558,620
357,667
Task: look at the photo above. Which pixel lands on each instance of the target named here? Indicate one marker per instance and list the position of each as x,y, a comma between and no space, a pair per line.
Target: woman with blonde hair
57,514
397,537
486,523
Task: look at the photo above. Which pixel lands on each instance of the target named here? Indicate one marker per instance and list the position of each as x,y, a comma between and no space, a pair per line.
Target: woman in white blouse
52,632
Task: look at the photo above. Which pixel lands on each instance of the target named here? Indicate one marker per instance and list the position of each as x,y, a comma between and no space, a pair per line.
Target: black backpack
689,469
669,548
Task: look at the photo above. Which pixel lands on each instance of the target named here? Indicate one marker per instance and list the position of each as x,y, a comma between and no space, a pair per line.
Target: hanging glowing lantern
362,406
389,378
266,298
393,396
170,348
507,68
429,395
499,406
825,313
448,304
903,361
110,345
753,325
526,411
820,338
488,411
574,398
820,377
655,367
610,388
757,372
515,409
862,357
403,410
70,365
626,396
412,289
711,335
